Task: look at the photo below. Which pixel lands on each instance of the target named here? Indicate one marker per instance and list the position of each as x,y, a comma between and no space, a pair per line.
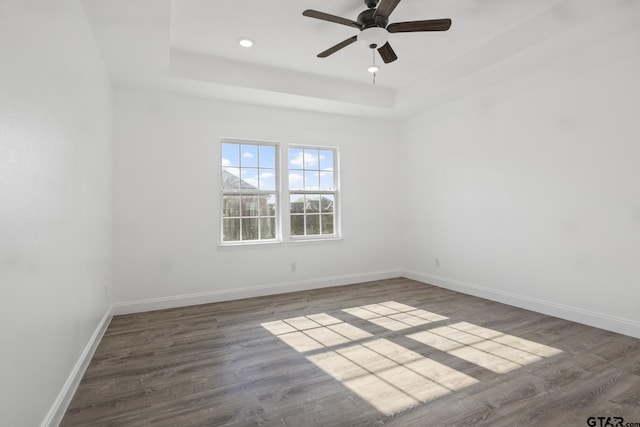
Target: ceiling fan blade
412,26
331,18
337,47
387,53
386,7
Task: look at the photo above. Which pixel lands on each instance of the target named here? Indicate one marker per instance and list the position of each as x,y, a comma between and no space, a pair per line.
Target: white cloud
226,162
267,181
298,160
251,181
295,179
247,155
310,160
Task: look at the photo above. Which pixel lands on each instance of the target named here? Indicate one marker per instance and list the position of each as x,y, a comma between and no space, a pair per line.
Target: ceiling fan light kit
374,28
373,37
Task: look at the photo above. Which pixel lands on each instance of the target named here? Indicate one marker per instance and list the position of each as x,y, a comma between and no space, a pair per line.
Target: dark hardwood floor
393,352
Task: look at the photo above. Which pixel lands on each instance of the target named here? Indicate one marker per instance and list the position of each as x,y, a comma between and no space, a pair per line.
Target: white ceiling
191,46
284,38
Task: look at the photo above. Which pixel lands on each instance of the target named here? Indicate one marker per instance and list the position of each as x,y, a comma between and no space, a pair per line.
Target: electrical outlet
294,266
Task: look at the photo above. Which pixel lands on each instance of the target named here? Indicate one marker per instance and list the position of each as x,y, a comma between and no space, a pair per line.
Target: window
313,192
252,209
249,192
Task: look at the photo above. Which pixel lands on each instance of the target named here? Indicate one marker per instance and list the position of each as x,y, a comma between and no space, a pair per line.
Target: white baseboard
598,320
59,407
248,292
574,314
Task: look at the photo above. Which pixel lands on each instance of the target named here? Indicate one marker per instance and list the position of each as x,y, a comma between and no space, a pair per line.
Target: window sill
302,242
277,243
249,245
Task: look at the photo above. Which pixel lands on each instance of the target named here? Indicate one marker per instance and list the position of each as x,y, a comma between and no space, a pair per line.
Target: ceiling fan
374,27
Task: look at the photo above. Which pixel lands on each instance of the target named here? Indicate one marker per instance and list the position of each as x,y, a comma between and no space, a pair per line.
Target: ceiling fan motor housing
368,19
373,34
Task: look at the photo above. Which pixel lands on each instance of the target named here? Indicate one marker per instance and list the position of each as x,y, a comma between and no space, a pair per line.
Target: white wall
525,191
528,191
167,201
55,201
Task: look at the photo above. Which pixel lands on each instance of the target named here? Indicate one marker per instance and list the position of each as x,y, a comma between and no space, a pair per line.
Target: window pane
296,180
313,204
230,230
249,228
230,155
326,160
310,159
249,178
268,228
327,204
312,171
249,206
267,157
268,205
326,181
327,224
250,191
297,225
311,180
313,224
230,178
297,203
230,206
268,179
296,160
249,156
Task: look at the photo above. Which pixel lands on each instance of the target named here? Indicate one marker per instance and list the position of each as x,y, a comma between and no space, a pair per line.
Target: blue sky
309,169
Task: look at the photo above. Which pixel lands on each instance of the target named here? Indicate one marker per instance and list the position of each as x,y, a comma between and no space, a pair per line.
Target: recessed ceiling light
245,42
373,69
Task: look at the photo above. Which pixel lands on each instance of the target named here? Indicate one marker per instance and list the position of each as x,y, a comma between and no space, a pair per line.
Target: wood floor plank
240,363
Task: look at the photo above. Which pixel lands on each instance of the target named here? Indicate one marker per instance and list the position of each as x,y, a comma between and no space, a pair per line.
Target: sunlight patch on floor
389,376
308,333
394,316
493,350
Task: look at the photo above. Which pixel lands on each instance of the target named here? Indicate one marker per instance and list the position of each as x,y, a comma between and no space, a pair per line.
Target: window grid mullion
305,193
266,207
233,166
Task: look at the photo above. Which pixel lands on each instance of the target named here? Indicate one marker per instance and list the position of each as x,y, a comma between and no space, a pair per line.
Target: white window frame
283,196
257,192
337,226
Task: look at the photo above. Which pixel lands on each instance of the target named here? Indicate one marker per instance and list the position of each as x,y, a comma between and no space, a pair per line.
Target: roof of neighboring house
230,180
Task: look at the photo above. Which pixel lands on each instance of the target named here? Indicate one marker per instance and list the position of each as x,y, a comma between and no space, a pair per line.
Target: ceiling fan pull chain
373,51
